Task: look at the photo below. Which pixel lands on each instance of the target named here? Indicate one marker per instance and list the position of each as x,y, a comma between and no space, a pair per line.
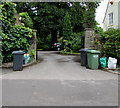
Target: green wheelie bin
93,59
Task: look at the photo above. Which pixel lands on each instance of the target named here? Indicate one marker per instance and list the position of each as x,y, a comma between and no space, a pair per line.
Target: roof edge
106,12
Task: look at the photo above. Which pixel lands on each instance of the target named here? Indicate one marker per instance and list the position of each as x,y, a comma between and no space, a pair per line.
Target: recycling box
17,60
93,59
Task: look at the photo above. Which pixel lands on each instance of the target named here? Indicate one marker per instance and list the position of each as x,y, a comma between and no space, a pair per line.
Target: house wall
119,15
112,8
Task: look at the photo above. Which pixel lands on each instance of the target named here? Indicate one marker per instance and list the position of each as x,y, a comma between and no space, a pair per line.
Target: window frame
110,18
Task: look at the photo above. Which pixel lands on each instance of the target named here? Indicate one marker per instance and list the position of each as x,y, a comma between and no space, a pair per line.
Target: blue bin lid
18,52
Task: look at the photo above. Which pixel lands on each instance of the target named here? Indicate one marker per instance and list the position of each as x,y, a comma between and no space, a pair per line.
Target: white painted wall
119,15
115,8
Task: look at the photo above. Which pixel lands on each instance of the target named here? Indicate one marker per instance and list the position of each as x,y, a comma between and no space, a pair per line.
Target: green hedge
25,18
14,37
44,42
111,43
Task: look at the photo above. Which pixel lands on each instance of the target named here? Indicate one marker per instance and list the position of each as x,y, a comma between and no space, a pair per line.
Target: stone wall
32,48
92,40
89,38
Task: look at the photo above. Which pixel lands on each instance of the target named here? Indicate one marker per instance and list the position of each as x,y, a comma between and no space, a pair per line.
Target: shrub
44,42
8,11
14,37
98,30
96,42
74,44
17,39
25,18
111,43
32,53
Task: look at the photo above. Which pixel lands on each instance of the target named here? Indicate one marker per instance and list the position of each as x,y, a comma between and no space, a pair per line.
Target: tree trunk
54,36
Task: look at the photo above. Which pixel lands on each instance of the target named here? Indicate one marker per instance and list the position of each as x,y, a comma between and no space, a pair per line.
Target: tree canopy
48,17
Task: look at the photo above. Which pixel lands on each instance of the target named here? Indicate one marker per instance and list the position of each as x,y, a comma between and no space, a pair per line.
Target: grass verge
69,53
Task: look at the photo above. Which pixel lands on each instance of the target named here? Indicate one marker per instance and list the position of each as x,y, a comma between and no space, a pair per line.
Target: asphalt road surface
59,80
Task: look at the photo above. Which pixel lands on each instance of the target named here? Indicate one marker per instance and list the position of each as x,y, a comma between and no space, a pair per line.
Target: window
110,18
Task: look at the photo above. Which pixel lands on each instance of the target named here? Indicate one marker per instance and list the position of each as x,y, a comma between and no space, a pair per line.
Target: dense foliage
67,33
48,19
108,42
90,15
44,43
25,18
67,27
55,22
98,30
14,37
0,35
70,41
96,39
111,43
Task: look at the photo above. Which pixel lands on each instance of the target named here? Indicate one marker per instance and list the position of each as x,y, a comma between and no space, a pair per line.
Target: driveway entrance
59,80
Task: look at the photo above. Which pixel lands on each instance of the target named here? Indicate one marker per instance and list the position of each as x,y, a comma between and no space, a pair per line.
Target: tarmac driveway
59,80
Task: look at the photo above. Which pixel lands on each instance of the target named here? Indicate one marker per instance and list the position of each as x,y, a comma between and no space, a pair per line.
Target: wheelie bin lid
93,51
84,50
18,52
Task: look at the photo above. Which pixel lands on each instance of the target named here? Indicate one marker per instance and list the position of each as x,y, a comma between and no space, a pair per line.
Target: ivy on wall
25,18
14,37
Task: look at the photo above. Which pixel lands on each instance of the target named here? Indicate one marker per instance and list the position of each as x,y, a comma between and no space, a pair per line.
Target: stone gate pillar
35,44
89,38
32,48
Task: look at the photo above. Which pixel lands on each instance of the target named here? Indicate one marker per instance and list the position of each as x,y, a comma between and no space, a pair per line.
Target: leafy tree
90,14
14,37
67,27
76,41
77,12
26,19
48,18
67,33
